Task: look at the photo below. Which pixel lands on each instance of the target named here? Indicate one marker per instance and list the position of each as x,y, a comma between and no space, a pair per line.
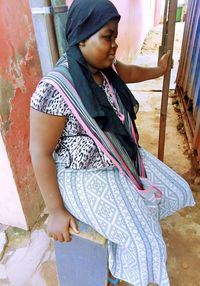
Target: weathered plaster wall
10,205
19,73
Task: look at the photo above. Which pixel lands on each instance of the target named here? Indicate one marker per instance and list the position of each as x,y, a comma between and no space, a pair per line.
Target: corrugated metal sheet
188,78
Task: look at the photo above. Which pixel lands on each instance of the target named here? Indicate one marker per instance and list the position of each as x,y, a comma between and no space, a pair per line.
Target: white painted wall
11,212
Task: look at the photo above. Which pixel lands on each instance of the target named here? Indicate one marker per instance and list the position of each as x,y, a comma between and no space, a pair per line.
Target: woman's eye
109,37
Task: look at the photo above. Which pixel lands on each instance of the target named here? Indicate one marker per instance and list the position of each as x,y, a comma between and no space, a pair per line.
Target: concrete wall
11,212
19,73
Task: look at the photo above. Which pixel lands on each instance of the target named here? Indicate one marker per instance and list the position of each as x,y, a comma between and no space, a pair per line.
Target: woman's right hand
59,223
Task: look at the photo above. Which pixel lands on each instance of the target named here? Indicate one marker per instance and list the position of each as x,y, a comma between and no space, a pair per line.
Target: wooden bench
84,260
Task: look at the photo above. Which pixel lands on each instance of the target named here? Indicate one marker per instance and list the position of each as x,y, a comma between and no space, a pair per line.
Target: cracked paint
6,94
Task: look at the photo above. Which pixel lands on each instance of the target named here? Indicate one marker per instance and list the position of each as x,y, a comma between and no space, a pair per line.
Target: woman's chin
108,64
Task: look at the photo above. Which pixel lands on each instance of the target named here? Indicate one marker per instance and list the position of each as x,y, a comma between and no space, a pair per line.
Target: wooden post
162,48
166,81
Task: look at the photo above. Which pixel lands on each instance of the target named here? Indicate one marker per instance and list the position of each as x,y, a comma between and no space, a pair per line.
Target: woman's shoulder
47,99
43,90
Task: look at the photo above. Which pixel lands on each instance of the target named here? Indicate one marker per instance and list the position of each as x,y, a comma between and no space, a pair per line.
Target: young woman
85,152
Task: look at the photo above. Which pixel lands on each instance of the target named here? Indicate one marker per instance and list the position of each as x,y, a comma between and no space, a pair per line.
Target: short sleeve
48,100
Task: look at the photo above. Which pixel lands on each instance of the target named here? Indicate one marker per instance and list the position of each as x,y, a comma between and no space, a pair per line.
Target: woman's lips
111,57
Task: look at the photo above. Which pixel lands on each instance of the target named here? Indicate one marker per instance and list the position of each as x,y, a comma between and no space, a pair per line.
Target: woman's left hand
163,62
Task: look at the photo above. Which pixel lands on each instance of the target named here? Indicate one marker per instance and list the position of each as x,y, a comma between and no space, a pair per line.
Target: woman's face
99,50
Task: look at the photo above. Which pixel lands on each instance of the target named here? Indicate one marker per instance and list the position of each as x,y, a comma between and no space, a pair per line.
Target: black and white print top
75,148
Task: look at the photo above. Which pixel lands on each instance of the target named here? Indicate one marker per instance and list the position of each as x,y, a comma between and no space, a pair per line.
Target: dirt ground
28,258
182,230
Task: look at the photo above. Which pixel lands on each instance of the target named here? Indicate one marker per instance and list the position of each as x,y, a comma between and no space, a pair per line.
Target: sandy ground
182,230
28,259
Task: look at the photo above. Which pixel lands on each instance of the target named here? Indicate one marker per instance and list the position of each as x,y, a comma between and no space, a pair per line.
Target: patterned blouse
75,148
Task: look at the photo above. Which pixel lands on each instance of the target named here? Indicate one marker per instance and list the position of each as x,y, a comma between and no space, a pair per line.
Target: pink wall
158,12
131,32
11,212
137,17
19,73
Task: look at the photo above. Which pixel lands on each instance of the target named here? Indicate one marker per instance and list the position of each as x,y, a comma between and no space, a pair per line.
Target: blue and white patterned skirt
107,201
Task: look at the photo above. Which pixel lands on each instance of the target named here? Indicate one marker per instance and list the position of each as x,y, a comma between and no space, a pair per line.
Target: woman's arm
133,73
45,131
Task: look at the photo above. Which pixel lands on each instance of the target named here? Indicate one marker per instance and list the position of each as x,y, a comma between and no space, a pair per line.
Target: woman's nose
114,44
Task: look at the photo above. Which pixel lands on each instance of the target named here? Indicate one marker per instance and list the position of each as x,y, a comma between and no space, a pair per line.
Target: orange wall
19,73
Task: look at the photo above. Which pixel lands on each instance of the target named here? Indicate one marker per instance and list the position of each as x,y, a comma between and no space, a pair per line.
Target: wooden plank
84,260
86,232
188,128
89,233
81,262
166,81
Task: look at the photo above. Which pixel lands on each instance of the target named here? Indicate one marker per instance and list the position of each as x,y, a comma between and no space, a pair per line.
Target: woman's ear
82,44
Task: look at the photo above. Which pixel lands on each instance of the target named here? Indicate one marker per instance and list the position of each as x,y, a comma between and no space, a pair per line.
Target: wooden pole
162,48
166,81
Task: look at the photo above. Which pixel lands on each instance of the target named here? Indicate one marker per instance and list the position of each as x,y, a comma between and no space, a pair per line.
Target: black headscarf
85,18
